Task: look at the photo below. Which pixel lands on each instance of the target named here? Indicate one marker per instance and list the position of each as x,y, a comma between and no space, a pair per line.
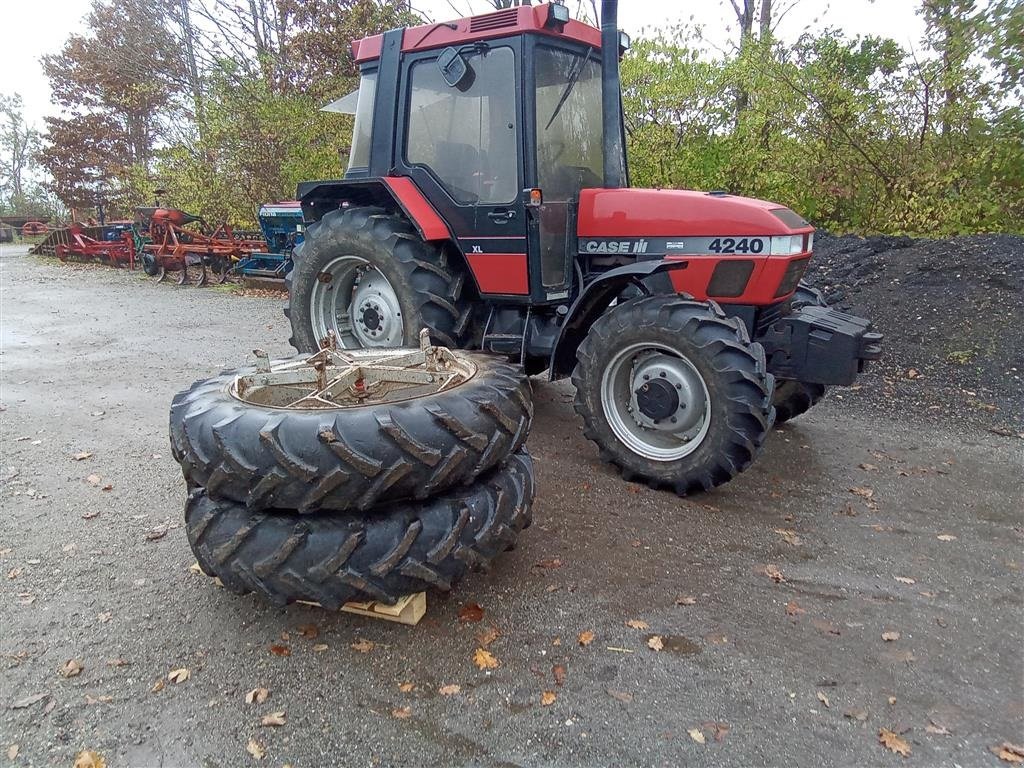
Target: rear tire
793,398
722,386
427,287
335,557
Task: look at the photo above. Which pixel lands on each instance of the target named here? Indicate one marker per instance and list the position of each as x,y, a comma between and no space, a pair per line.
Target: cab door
462,146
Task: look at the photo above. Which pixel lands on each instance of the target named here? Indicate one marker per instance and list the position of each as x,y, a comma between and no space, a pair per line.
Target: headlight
787,245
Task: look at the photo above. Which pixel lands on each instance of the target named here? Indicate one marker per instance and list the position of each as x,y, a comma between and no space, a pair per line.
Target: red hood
678,213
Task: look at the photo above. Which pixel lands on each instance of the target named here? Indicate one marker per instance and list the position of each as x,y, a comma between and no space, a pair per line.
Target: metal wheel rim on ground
340,378
660,439
356,302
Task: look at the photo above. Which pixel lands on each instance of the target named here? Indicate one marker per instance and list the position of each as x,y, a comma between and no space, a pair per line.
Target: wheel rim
336,378
353,299
663,417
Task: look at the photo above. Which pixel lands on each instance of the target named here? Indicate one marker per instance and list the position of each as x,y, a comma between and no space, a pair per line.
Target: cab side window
467,135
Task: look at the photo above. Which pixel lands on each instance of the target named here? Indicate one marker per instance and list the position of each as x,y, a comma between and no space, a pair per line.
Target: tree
18,144
118,83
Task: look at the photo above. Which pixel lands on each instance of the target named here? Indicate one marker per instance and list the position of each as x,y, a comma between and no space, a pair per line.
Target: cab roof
511,21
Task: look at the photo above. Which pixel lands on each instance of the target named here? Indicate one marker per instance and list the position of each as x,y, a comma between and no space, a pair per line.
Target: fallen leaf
622,696
868,467
697,735
892,700
50,705
793,608
826,626
14,573
94,479
864,493
257,750
257,696
586,637
637,624
104,617
89,759
558,672
178,676
487,636
860,715
773,573
12,752
655,643
71,668
280,650
272,720
309,631
90,514
82,456
471,613
824,700
157,686
407,687
552,563
893,742
157,533
90,700
938,730
449,690
789,536
401,713
320,647
28,701
946,537
686,600
484,659
1009,753
890,636
913,373
720,730
905,580
363,646
547,698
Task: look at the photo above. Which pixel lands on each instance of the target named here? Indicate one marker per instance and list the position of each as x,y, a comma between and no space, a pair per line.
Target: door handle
503,216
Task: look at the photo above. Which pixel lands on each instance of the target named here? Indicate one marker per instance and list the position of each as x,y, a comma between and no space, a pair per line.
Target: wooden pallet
408,610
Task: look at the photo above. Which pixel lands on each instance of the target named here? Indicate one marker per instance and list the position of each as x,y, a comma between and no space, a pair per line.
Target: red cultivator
191,253
80,246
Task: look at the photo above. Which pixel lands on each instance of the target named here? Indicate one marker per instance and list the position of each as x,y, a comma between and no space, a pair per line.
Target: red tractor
487,200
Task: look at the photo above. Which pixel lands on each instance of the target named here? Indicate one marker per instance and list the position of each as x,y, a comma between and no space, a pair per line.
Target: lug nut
646,377
674,419
662,374
679,386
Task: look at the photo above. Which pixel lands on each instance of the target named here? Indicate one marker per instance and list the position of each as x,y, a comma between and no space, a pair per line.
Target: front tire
368,277
701,415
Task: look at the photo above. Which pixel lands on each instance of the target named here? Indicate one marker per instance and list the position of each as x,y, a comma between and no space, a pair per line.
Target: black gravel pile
952,312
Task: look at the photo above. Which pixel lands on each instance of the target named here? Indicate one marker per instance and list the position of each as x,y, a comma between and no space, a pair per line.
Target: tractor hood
656,213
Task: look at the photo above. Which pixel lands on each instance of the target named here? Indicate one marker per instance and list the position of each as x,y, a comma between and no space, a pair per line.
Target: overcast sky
31,28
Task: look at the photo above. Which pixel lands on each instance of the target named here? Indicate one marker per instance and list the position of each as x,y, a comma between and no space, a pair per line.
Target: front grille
506,18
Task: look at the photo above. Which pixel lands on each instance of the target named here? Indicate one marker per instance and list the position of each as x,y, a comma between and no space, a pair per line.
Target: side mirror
454,69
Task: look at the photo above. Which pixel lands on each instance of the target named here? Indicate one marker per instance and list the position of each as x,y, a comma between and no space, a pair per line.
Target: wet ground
871,525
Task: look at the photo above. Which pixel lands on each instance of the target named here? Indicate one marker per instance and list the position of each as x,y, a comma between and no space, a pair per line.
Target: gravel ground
952,312
753,671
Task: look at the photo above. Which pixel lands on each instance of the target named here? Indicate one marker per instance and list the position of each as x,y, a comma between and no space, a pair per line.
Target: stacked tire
371,501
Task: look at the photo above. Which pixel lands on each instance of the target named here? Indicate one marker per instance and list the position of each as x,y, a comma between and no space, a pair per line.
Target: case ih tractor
487,200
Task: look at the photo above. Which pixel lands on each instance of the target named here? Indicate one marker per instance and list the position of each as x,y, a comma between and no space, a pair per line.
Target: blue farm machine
281,225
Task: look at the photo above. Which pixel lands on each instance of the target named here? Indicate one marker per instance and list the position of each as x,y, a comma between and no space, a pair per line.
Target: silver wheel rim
671,437
353,299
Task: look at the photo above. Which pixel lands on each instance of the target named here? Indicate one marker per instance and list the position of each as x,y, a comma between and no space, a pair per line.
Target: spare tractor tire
354,457
792,398
335,557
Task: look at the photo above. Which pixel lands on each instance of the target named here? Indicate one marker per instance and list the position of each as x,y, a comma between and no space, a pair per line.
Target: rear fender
393,193
593,302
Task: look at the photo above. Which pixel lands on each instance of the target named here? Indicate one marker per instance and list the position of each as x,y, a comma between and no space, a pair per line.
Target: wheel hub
657,399
664,388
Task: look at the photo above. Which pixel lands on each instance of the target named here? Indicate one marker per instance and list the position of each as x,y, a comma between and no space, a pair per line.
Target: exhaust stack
611,96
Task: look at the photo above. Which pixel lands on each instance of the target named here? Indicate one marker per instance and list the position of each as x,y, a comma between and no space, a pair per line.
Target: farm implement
281,225
165,245
78,245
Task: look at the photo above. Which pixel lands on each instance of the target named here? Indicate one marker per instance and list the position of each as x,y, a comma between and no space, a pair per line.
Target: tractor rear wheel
367,277
674,393
334,557
793,398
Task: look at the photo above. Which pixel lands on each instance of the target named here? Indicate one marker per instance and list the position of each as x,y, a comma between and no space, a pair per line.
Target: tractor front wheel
366,277
674,393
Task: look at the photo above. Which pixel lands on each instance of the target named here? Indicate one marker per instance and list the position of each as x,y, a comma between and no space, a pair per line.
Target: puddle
678,645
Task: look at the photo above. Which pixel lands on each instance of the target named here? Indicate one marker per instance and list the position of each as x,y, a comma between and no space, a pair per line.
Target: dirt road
754,670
